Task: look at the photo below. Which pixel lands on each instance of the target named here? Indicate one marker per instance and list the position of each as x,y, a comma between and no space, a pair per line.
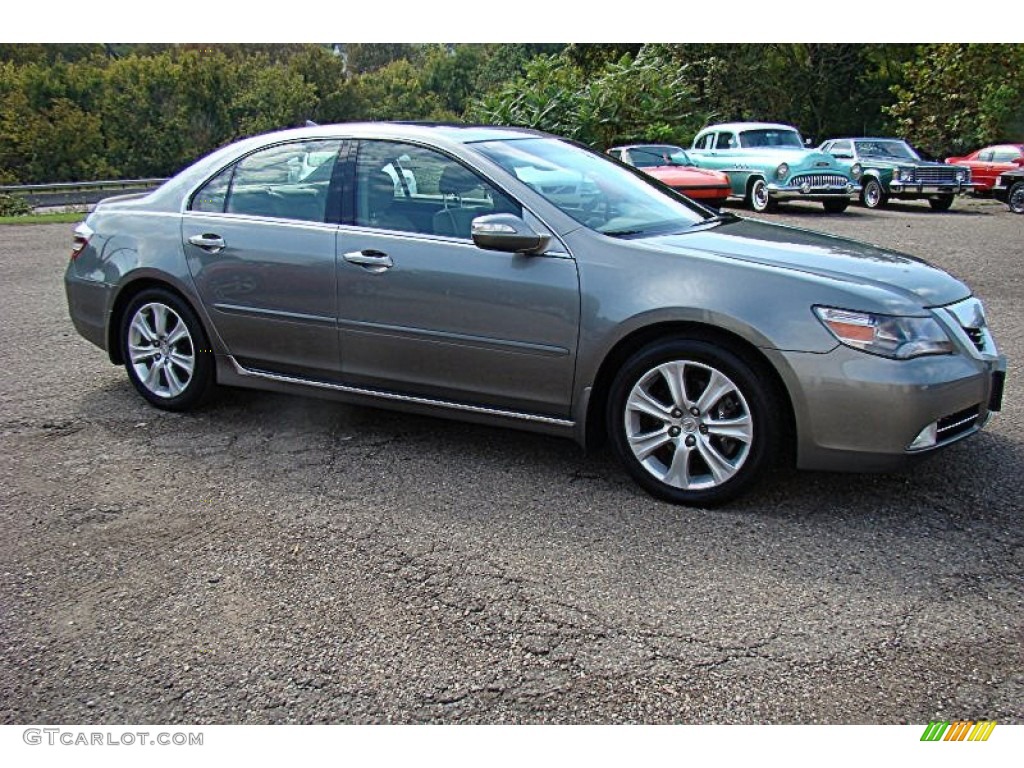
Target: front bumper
812,192
860,412
707,192
906,189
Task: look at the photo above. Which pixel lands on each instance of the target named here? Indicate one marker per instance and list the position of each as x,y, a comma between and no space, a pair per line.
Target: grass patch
44,218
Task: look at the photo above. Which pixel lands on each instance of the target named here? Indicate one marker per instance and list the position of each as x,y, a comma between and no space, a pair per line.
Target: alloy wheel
161,350
688,425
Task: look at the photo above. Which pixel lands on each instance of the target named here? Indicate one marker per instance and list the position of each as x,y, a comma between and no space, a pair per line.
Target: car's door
260,243
423,311
982,170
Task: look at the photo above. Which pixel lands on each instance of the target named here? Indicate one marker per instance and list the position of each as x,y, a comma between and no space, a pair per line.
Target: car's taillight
80,239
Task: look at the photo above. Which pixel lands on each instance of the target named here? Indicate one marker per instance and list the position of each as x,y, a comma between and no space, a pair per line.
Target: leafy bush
12,205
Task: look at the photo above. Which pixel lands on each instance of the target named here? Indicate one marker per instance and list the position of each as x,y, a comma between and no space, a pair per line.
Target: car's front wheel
872,196
1015,198
758,198
166,353
693,422
940,203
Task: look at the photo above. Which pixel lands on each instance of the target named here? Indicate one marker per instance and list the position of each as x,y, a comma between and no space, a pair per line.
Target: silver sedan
510,277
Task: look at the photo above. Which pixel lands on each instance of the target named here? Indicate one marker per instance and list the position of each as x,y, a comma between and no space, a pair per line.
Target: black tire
872,195
1015,197
157,352
715,468
836,206
758,198
940,203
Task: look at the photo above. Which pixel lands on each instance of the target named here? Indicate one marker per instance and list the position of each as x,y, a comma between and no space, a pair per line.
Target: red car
986,164
672,166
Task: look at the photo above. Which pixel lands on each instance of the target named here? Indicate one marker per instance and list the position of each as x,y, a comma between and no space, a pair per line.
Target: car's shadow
976,477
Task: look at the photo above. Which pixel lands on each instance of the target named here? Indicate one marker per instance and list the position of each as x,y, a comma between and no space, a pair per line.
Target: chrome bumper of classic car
808,191
931,188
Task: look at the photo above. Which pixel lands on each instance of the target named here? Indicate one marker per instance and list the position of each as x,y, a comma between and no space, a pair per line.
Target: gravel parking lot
279,559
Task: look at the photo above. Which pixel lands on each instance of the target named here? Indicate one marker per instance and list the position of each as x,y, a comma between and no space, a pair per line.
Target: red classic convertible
988,163
671,165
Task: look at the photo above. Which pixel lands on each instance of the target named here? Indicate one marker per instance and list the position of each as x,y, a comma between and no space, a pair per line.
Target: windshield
660,155
894,149
592,189
771,138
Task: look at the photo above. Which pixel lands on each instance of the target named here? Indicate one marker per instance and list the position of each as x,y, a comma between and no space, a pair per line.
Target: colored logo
958,730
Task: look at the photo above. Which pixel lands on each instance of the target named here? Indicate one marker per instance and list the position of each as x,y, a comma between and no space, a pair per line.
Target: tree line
78,112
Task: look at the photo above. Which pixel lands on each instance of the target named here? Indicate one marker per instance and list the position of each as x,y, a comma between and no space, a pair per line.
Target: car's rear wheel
1015,198
836,206
693,422
166,353
940,203
872,196
758,198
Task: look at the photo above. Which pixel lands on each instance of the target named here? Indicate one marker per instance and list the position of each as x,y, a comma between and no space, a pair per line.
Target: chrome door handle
211,243
373,261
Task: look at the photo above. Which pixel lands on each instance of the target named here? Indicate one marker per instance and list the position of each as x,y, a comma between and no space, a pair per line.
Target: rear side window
1005,155
289,181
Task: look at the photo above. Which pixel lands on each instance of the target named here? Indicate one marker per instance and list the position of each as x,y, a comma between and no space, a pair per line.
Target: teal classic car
891,168
767,163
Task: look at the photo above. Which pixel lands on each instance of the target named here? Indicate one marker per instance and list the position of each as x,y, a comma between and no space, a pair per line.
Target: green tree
957,96
643,99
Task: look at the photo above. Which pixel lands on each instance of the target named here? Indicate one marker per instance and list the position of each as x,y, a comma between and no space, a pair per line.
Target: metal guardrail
77,192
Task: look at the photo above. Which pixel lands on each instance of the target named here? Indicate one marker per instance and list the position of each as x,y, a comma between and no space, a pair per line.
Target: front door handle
371,260
210,243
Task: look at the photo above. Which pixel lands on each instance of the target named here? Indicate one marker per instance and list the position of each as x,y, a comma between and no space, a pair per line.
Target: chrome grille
935,175
977,337
819,180
970,316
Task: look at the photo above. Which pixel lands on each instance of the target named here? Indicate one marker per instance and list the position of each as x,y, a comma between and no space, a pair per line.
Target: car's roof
867,138
452,132
735,127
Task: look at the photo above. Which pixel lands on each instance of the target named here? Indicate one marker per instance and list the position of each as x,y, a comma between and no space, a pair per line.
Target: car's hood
686,174
814,253
794,157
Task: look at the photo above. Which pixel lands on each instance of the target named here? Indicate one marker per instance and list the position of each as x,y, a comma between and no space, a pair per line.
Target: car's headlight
887,335
782,171
961,176
856,170
896,174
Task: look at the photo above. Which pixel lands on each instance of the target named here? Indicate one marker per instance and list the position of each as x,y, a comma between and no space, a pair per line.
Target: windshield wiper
721,217
621,232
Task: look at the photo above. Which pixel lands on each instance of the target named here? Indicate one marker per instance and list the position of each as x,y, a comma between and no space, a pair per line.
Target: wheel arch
596,428
128,291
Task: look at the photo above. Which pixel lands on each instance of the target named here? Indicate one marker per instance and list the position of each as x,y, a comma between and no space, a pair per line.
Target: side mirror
1019,161
508,233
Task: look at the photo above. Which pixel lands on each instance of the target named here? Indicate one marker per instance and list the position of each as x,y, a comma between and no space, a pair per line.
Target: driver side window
406,188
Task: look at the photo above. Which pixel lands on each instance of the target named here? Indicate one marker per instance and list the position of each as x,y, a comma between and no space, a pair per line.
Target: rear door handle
371,260
210,243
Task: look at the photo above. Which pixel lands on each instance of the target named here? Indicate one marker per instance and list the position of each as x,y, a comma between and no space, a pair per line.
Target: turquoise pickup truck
767,164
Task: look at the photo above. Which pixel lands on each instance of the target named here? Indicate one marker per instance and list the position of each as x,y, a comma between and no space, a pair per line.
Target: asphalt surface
280,559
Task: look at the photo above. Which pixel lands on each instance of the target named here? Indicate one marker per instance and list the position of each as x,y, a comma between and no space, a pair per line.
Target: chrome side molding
381,395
